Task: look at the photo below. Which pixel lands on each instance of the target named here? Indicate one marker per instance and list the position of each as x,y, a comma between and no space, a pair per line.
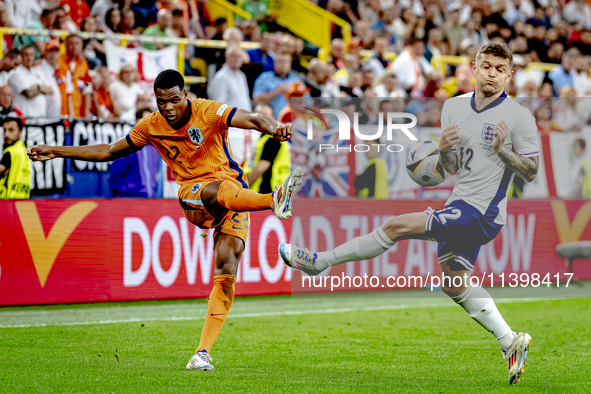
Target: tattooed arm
525,167
447,158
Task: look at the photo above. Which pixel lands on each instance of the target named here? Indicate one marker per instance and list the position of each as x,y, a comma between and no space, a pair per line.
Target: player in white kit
487,138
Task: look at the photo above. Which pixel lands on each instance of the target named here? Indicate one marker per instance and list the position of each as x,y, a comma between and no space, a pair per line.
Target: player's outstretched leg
238,199
361,248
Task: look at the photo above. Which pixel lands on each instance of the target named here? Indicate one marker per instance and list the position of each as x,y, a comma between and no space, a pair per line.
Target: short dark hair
47,12
168,79
10,118
498,50
72,35
13,53
177,12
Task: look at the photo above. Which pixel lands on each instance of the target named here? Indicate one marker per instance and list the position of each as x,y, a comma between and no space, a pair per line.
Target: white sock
360,248
481,307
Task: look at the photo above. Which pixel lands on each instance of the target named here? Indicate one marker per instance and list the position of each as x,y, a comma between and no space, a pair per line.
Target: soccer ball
422,164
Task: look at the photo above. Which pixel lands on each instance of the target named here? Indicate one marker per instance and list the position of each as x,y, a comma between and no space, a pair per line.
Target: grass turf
415,349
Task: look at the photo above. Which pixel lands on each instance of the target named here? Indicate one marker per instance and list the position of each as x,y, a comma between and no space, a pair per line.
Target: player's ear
185,93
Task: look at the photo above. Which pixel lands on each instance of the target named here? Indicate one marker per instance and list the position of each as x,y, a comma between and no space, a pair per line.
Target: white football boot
301,259
201,361
284,193
516,354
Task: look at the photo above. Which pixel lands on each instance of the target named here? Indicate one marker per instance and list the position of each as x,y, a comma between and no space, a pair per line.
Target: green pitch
292,345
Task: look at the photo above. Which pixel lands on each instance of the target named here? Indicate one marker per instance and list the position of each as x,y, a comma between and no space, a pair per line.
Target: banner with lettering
54,251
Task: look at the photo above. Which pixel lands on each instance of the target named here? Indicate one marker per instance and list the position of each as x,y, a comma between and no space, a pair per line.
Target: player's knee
395,227
228,255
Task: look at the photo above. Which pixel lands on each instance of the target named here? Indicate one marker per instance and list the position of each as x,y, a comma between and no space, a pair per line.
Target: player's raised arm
525,167
448,157
265,124
100,152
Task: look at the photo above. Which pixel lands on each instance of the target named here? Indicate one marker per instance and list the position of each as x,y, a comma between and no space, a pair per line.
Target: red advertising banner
58,251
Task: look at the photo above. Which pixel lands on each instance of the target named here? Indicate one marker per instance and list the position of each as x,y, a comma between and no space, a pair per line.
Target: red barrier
57,251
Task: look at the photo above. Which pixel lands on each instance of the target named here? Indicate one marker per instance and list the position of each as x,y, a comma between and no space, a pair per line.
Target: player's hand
500,132
449,137
40,152
283,132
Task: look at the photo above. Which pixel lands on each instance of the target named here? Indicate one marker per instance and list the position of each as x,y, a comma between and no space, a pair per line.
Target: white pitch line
270,314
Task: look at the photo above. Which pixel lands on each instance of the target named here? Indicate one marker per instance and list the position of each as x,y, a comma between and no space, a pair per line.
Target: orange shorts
233,223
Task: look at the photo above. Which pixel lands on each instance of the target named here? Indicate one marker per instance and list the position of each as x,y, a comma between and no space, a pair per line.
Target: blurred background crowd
395,55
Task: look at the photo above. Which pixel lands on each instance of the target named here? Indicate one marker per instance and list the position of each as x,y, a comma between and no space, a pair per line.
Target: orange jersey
200,150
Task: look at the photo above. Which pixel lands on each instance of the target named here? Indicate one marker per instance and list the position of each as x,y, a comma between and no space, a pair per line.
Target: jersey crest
196,136
487,133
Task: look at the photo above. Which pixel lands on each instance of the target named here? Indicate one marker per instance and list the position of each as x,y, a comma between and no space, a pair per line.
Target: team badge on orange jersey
196,136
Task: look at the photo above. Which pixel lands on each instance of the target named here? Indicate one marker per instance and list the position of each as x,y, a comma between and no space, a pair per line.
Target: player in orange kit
192,137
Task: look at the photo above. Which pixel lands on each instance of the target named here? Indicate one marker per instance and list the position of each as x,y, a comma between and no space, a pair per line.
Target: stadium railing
223,8
312,23
439,62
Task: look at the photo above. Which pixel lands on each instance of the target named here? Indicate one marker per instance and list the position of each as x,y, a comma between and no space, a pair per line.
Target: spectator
229,85
46,73
319,80
411,67
144,100
15,166
580,172
160,29
337,53
434,41
218,29
94,50
263,55
101,7
11,60
128,22
388,86
259,10
63,21
454,33
113,20
563,74
38,42
178,25
6,101
21,12
270,86
125,90
28,87
77,10
578,11
101,105
75,86
270,162
377,62
373,181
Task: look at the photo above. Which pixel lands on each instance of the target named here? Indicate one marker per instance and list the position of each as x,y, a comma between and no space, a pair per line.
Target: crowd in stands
44,82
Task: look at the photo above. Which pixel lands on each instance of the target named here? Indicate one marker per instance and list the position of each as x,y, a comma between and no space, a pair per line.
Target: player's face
492,73
172,103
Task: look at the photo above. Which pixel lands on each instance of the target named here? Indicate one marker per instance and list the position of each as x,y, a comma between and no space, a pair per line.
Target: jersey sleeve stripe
230,116
234,166
530,154
130,142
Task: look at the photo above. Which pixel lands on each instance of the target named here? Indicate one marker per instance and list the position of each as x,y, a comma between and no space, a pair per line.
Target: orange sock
218,307
238,199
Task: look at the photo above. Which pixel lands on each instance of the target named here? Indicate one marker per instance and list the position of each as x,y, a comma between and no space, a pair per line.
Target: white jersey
483,179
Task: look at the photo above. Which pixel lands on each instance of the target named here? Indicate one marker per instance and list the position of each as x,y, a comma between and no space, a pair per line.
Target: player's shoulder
461,100
151,122
513,106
